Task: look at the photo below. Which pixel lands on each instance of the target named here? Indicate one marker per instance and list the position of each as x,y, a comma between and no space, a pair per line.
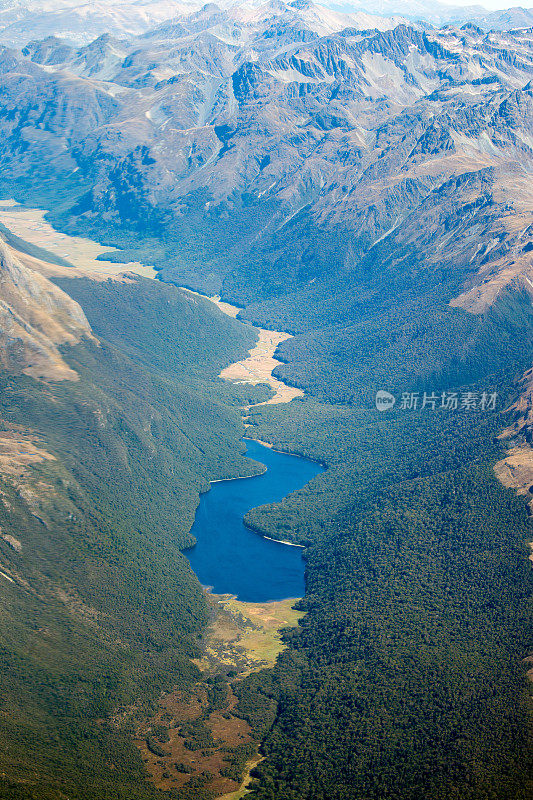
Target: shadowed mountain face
361,182
238,131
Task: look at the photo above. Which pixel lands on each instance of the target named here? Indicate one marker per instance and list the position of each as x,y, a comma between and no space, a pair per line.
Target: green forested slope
406,679
104,610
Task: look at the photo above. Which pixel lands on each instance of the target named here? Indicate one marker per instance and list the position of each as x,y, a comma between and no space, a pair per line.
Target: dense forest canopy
107,610
364,184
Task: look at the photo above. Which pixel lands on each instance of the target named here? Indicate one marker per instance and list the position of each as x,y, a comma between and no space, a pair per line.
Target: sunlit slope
99,481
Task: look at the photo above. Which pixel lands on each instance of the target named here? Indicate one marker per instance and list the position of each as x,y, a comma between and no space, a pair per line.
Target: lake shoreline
270,446
251,528
236,558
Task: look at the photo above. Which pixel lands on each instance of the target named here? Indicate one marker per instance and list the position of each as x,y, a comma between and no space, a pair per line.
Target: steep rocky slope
364,184
238,130
35,318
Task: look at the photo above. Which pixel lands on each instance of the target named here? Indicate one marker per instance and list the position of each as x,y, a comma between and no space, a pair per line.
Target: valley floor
241,637
193,737
28,226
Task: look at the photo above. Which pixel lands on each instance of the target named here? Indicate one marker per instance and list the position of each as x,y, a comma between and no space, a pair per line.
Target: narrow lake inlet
231,558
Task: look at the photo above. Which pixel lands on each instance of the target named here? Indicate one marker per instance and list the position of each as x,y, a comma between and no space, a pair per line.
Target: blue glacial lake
232,559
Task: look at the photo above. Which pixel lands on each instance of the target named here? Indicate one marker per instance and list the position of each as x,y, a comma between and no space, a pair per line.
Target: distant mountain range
25,20
363,182
443,13
242,132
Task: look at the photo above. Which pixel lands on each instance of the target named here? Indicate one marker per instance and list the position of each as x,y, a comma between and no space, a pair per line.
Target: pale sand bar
29,224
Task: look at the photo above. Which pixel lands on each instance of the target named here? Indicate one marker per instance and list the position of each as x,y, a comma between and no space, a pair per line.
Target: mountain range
23,20
361,180
236,131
